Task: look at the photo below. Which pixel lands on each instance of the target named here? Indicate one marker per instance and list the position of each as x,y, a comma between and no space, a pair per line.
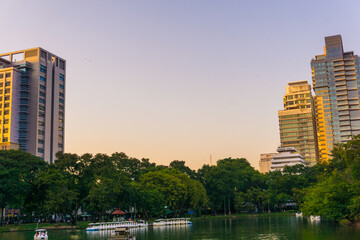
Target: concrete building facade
286,157
32,97
265,162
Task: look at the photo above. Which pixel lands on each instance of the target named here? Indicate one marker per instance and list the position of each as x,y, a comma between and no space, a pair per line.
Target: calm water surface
281,227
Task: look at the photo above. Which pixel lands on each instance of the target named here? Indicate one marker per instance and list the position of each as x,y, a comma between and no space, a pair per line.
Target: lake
258,227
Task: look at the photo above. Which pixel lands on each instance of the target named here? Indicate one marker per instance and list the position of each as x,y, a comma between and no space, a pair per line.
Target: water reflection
274,227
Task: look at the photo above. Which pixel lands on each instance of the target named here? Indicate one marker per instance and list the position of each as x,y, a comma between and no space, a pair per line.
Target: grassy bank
49,226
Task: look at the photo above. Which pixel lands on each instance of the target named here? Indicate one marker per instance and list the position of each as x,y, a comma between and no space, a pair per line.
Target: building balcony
340,82
339,73
345,112
338,63
350,73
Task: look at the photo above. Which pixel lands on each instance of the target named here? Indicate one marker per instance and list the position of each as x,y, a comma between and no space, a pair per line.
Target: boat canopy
40,230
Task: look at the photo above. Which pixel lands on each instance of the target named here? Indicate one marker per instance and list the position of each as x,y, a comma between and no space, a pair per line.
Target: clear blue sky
178,80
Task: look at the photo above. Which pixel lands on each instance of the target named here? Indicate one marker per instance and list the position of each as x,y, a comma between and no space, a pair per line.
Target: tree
109,192
178,190
180,165
337,194
17,174
59,196
230,176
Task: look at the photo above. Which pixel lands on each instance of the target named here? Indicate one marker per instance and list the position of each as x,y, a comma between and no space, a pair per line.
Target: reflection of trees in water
164,232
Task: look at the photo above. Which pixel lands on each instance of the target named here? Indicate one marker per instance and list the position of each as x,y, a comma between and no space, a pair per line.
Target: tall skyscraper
32,102
297,121
336,82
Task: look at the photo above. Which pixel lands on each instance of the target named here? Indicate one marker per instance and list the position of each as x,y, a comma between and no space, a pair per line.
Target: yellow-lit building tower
336,83
297,121
32,102
9,107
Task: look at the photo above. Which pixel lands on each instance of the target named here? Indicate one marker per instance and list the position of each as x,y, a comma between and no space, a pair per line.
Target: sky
178,80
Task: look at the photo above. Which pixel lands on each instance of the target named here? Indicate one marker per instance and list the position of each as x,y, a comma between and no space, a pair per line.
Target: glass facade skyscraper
336,82
297,121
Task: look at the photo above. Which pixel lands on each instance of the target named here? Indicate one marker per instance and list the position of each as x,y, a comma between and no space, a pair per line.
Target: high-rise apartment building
336,82
32,102
297,121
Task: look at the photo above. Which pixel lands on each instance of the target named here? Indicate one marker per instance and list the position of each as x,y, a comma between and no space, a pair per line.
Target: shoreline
84,225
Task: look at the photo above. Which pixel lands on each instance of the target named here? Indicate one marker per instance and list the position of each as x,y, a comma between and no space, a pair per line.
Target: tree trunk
350,219
1,218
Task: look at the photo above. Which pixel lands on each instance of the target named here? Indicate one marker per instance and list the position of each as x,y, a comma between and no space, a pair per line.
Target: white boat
114,225
123,234
299,214
315,218
41,234
171,221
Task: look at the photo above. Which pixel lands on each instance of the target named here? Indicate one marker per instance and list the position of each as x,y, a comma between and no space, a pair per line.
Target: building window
61,86
6,121
41,124
42,108
40,150
61,114
62,64
42,79
42,94
61,77
41,101
42,69
7,75
7,98
42,115
61,120
60,145
61,94
6,105
61,107
41,132
61,100
60,137
43,54
7,84
1,75
42,87
7,90
6,130
5,139
40,141
61,128
6,112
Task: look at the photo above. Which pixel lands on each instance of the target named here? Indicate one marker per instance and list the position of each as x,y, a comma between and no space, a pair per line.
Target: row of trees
100,183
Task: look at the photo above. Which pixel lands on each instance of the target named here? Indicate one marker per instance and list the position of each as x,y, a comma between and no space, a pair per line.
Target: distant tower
32,102
336,82
297,121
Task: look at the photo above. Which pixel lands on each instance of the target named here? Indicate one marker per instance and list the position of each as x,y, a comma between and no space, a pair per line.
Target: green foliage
58,193
176,188
17,175
224,181
337,194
